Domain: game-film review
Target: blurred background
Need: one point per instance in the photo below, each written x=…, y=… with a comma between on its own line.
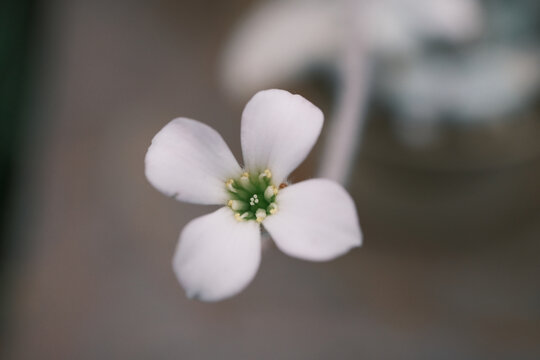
x=445, y=176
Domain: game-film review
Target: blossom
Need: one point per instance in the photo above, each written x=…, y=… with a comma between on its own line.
x=218, y=254
x=280, y=40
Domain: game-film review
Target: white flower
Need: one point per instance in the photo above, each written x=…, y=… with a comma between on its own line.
x=279, y=40
x=218, y=254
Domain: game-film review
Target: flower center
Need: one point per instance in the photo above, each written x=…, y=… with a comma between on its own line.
x=252, y=196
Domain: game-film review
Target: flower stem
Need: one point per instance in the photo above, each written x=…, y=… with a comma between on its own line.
x=345, y=132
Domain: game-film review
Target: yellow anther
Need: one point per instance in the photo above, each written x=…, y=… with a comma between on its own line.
x=245, y=175
x=230, y=203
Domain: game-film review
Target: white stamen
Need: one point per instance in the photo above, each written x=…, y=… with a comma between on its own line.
x=229, y=185
x=242, y=217
x=246, y=184
x=266, y=173
x=272, y=208
x=270, y=192
x=237, y=205
x=260, y=214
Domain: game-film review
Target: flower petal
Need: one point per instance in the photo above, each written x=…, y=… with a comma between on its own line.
x=217, y=256
x=316, y=221
x=278, y=131
x=190, y=161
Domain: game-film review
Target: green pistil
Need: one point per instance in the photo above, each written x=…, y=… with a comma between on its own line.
x=252, y=196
